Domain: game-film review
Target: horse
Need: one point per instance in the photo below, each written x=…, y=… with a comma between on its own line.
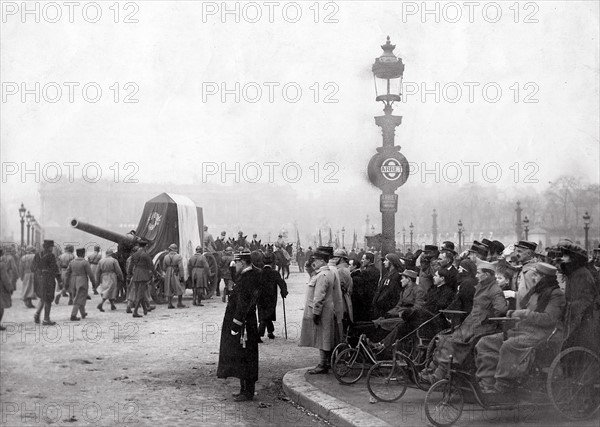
x=282, y=261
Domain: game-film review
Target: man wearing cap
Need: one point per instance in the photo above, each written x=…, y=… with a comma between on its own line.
x=412, y=296
x=220, y=242
x=525, y=254
x=64, y=260
x=238, y=353
x=427, y=266
x=340, y=263
x=488, y=302
x=582, y=314
x=141, y=270
x=388, y=291
x=323, y=310
x=267, y=301
x=446, y=262
x=27, y=276
x=78, y=273
x=108, y=272
x=198, y=272
x=225, y=270
x=94, y=260
x=503, y=358
x=173, y=268
x=46, y=269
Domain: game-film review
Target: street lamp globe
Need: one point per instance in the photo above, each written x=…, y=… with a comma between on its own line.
x=388, y=70
x=22, y=211
x=586, y=218
x=28, y=217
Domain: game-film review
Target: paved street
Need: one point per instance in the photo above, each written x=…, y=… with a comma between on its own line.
x=159, y=370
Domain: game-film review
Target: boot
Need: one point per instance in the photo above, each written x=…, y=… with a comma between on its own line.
x=100, y=306
x=242, y=389
x=57, y=299
x=171, y=306
x=28, y=303
x=180, y=302
x=112, y=306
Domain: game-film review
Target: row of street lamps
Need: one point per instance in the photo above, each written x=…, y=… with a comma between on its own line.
x=32, y=227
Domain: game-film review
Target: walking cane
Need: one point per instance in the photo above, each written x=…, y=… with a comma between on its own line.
x=284, y=319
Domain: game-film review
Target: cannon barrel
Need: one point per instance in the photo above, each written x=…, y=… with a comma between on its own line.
x=105, y=234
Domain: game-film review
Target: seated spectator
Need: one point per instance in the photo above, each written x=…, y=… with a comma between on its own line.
x=503, y=358
x=412, y=295
x=488, y=302
x=389, y=289
x=463, y=301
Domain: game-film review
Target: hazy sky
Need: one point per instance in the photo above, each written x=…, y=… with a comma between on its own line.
x=521, y=94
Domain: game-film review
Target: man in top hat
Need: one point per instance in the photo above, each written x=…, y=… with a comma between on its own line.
x=488, y=302
x=45, y=267
x=583, y=299
x=525, y=255
x=94, y=259
x=78, y=273
x=323, y=310
x=238, y=352
x=446, y=262
x=141, y=270
x=173, y=268
x=198, y=272
x=427, y=264
x=27, y=276
x=64, y=260
x=502, y=358
x=108, y=272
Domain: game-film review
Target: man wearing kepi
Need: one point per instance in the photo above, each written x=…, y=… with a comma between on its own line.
x=46, y=270
x=141, y=271
x=173, y=267
x=323, y=310
x=503, y=358
x=238, y=353
x=78, y=273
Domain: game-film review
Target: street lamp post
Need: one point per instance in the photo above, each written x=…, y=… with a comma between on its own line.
x=388, y=169
x=460, y=232
x=403, y=239
x=526, y=227
x=22, y=211
x=412, y=227
x=28, y=218
x=518, y=229
x=343, y=242
x=586, y=228
x=434, y=228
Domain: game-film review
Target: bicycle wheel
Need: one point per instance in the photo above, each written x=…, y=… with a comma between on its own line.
x=573, y=383
x=443, y=403
x=387, y=381
x=337, y=350
x=349, y=366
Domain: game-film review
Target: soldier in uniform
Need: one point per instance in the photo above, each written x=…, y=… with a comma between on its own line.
x=241, y=241
x=47, y=274
x=78, y=273
x=254, y=244
x=226, y=261
x=107, y=274
x=209, y=241
x=198, y=273
x=525, y=281
x=64, y=260
x=141, y=269
x=220, y=242
x=27, y=276
x=300, y=259
x=173, y=268
x=238, y=354
x=94, y=259
x=6, y=288
x=11, y=266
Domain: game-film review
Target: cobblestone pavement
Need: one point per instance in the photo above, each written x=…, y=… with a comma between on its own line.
x=158, y=370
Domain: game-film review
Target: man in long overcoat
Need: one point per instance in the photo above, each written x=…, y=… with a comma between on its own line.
x=267, y=302
x=27, y=276
x=198, y=273
x=46, y=270
x=173, y=268
x=323, y=311
x=65, y=288
x=141, y=270
x=78, y=273
x=6, y=288
x=108, y=273
x=238, y=353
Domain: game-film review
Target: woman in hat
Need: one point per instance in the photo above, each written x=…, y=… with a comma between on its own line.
x=27, y=276
x=78, y=273
x=389, y=289
x=238, y=353
x=107, y=274
x=504, y=358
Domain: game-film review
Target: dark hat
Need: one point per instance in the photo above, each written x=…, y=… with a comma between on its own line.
x=173, y=247
x=323, y=252
x=497, y=246
x=199, y=249
x=80, y=252
x=545, y=268
x=486, y=242
x=448, y=247
x=410, y=273
x=394, y=259
x=142, y=243
x=526, y=245
x=431, y=248
x=573, y=249
x=48, y=243
x=479, y=248
x=243, y=255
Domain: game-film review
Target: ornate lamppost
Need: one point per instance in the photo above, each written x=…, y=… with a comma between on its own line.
x=526, y=227
x=412, y=227
x=434, y=227
x=460, y=232
x=403, y=239
x=343, y=233
x=388, y=169
x=28, y=218
x=586, y=228
x=22, y=211
x=518, y=229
